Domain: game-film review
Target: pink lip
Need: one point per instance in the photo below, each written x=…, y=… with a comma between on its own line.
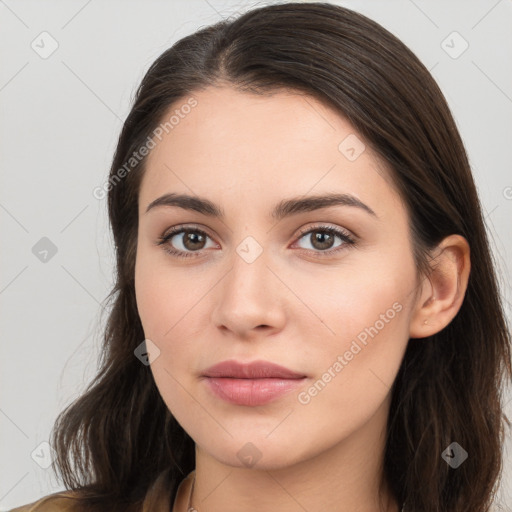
x=253, y=370
x=251, y=384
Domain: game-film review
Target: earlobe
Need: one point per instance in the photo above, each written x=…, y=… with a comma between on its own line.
x=442, y=293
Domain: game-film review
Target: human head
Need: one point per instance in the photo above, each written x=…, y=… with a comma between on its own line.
x=401, y=116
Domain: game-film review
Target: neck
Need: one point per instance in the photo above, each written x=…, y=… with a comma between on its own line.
x=345, y=477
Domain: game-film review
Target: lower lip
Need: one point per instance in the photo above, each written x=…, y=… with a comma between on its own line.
x=252, y=392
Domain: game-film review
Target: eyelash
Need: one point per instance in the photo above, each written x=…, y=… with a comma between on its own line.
x=164, y=239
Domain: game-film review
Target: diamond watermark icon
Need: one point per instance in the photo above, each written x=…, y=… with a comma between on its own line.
x=249, y=455
x=454, y=45
x=454, y=455
x=44, y=45
x=351, y=147
x=43, y=455
x=249, y=249
x=44, y=250
x=147, y=352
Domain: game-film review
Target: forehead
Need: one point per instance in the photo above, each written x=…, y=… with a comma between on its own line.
x=257, y=147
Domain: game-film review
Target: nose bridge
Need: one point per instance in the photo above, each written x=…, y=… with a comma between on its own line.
x=249, y=271
x=243, y=300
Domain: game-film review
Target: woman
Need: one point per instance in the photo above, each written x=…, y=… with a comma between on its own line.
x=306, y=314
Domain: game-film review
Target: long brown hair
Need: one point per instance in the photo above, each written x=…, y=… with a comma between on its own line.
x=118, y=441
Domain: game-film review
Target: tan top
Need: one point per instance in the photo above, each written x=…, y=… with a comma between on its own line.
x=58, y=501
x=156, y=501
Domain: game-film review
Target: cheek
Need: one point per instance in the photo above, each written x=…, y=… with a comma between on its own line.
x=163, y=313
x=360, y=323
x=169, y=306
x=158, y=293
x=362, y=342
x=355, y=372
x=151, y=293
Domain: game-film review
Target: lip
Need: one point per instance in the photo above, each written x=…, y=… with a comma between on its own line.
x=251, y=384
x=253, y=370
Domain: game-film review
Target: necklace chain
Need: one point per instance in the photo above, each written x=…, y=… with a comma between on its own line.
x=192, y=509
x=189, y=508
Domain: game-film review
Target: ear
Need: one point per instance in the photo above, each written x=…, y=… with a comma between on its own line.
x=441, y=294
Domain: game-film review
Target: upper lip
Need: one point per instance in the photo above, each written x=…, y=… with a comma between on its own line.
x=252, y=370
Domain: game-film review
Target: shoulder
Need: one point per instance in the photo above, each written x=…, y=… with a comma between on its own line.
x=58, y=502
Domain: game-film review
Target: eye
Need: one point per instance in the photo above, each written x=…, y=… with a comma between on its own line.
x=319, y=239
x=192, y=240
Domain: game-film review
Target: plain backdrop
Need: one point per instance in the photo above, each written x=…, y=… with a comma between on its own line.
x=69, y=71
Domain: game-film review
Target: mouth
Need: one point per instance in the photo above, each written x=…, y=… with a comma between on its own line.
x=251, y=384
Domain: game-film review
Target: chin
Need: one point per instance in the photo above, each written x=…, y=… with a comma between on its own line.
x=257, y=452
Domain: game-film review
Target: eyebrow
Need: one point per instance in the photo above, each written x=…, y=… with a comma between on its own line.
x=284, y=208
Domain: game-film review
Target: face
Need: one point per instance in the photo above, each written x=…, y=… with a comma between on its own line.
x=325, y=292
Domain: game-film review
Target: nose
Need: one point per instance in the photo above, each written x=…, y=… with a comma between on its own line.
x=250, y=299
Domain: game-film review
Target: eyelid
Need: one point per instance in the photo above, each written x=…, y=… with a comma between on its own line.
x=327, y=227
x=189, y=227
x=345, y=235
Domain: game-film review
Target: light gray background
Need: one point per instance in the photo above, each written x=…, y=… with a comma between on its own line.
x=60, y=120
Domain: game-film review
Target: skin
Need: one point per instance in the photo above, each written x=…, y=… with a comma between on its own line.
x=290, y=305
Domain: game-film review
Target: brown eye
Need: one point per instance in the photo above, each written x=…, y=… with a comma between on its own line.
x=183, y=242
x=193, y=240
x=322, y=239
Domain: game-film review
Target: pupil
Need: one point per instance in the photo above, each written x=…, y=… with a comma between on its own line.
x=194, y=239
x=319, y=236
